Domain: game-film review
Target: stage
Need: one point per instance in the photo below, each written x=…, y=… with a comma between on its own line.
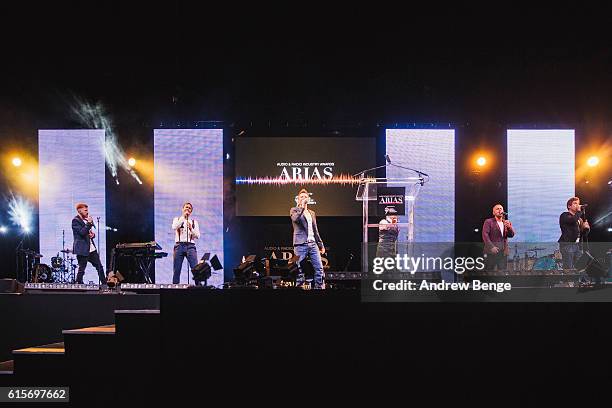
x=155, y=341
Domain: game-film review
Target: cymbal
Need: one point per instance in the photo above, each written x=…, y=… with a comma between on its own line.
x=29, y=252
x=66, y=251
x=536, y=249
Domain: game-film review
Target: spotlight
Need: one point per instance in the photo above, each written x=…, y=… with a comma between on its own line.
x=3, y=230
x=481, y=161
x=609, y=229
x=132, y=162
x=593, y=161
x=16, y=162
x=249, y=271
x=21, y=213
x=476, y=230
x=203, y=270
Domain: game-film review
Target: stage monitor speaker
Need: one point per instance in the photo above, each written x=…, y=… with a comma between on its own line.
x=11, y=286
x=591, y=266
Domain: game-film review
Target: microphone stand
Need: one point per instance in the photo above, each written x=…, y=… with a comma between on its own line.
x=585, y=240
x=99, y=250
x=362, y=172
x=18, y=257
x=389, y=164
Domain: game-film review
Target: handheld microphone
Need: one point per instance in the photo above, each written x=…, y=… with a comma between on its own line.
x=387, y=159
x=584, y=205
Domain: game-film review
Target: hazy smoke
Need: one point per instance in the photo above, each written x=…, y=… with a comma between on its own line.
x=94, y=117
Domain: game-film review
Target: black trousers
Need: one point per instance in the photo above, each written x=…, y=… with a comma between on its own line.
x=498, y=260
x=94, y=259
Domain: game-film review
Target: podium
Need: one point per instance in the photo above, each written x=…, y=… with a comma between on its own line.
x=377, y=193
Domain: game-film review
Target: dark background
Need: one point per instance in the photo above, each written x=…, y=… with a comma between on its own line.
x=306, y=72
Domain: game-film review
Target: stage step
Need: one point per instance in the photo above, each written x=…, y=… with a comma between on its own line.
x=89, y=343
x=139, y=345
x=40, y=363
x=6, y=367
x=137, y=321
x=90, y=362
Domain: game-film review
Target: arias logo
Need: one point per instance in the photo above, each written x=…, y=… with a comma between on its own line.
x=390, y=199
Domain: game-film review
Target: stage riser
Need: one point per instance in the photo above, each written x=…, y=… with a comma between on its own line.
x=42, y=368
x=138, y=345
x=90, y=366
x=212, y=339
x=39, y=318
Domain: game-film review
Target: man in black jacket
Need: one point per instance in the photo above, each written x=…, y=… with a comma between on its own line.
x=83, y=246
x=573, y=227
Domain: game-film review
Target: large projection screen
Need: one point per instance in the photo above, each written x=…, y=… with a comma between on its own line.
x=71, y=170
x=431, y=151
x=541, y=178
x=188, y=166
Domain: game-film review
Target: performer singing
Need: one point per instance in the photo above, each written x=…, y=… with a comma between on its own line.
x=495, y=234
x=388, y=231
x=186, y=231
x=83, y=245
x=573, y=228
x=306, y=240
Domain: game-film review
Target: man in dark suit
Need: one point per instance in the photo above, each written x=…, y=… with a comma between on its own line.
x=495, y=234
x=306, y=239
x=573, y=227
x=83, y=246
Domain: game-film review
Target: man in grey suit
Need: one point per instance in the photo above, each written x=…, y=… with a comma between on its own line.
x=83, y=246
x=306, y=239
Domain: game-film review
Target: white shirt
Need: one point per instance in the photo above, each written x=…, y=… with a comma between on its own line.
x=310, y=230
x=501, y=227
x=182, y=233
x=92, y=246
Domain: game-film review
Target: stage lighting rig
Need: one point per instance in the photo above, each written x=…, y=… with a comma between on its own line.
x=203, y=270
x=249, y=271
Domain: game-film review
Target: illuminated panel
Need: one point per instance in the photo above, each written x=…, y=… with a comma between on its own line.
x=540, y=181
x=188, y=166
x=71, y=170
x=431, y=151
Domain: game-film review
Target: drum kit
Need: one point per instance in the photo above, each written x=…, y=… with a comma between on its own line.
x=530, y=261
x=62, y=269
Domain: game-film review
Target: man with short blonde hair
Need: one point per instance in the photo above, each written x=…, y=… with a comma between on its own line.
x=83, y=244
